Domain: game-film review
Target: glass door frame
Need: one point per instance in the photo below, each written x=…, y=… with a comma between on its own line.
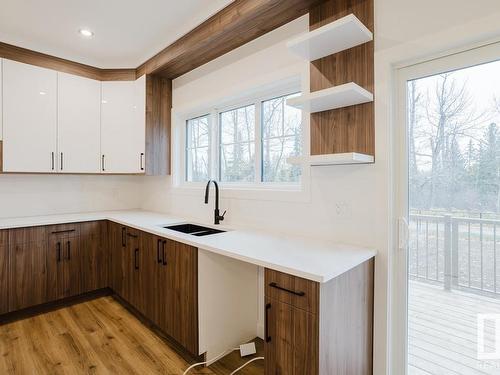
x=399, y=263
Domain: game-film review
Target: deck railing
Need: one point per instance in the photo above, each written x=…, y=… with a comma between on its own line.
x=457, y=252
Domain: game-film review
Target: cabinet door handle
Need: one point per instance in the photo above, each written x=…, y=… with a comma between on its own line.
x=102, y=163
x=158, y=250
x=53, y=166
x=142, y=161
x=164, y=245
x=63, y=231
x=62, y=161
x=58, y=252
x=136, y=259
x=124, y=239
x=68, y=244
x=266, y=322
x=132, y=235
x=300, y=293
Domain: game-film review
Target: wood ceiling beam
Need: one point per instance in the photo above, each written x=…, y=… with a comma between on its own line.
x=8, y=51
x=240, y=22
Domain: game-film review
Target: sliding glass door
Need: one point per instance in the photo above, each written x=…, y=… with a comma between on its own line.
x=448, y=305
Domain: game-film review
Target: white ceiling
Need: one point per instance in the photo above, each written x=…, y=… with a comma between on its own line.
x=127, y=32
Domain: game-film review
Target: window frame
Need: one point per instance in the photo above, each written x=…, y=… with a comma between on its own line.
x=187, y=148
x=214, y=115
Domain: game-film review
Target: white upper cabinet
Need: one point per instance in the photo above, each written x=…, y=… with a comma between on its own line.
x=123, y=126
x=78, y=124
x=29, y=118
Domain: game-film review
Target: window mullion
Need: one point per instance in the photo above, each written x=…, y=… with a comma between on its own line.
x=214, y=144
x=258, y=142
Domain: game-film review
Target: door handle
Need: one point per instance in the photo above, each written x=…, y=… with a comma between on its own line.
x=164, y=243
x=136, y=259
x=62, y=161
x=102, y=163
x=266, y=322
x=58, y=249
x=68, y=244
x=142, y=161
x=53, y=166
x=124, y=239
x=158, y=250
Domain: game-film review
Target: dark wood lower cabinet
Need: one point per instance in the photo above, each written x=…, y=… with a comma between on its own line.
x=117, y=249
x=314, y=328
x=28, y=272
x=95, y=255
x=64, y=262
x=178, y=291
x=4, y=271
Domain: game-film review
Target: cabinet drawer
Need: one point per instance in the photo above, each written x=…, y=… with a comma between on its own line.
x=4, y=238
x=66, y=230
x=293, y=290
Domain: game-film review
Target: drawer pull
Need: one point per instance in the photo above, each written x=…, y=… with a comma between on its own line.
x=63, y=231
x=164, y=244
x=274, y=285
x=58, y=252
x=158, y=251
x=132, y=235
x=68, y=244
x=266, y=322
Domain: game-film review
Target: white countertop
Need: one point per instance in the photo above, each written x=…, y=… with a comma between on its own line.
x=308, y=258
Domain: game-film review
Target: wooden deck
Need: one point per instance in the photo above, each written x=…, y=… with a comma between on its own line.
x=443, y=331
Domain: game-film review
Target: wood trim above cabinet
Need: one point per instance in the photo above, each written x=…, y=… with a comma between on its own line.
x=23, y=55
x=158, y=125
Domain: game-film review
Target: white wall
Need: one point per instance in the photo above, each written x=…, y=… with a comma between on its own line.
x=404, y=31
x=26, y=195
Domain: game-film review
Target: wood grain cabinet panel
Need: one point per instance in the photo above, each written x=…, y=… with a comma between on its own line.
x=291, y=340
x=333, y=335
x=95, y=256
x=178, y=288
x=64, y=262
x=4, y=272
x=117, y=246
x=150, y=266
x=28, y=273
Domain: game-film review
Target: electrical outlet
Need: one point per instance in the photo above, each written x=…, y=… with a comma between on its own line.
x=343, y=209
x=247, y=349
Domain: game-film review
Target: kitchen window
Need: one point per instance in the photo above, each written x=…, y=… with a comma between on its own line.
x=246, y=145
x=198, y=149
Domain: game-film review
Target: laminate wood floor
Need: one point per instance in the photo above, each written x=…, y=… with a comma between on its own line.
x=94, y=337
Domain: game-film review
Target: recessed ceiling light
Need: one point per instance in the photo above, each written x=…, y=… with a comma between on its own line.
x=86, y=33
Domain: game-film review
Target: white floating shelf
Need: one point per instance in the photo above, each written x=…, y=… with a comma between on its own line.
x=342, y=34
x=331, y=98
x=332, y=159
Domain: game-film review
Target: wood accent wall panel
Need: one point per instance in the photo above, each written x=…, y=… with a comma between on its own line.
x=23, y=55
x=350, y=129
x=158, y=125
x=348, y=298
